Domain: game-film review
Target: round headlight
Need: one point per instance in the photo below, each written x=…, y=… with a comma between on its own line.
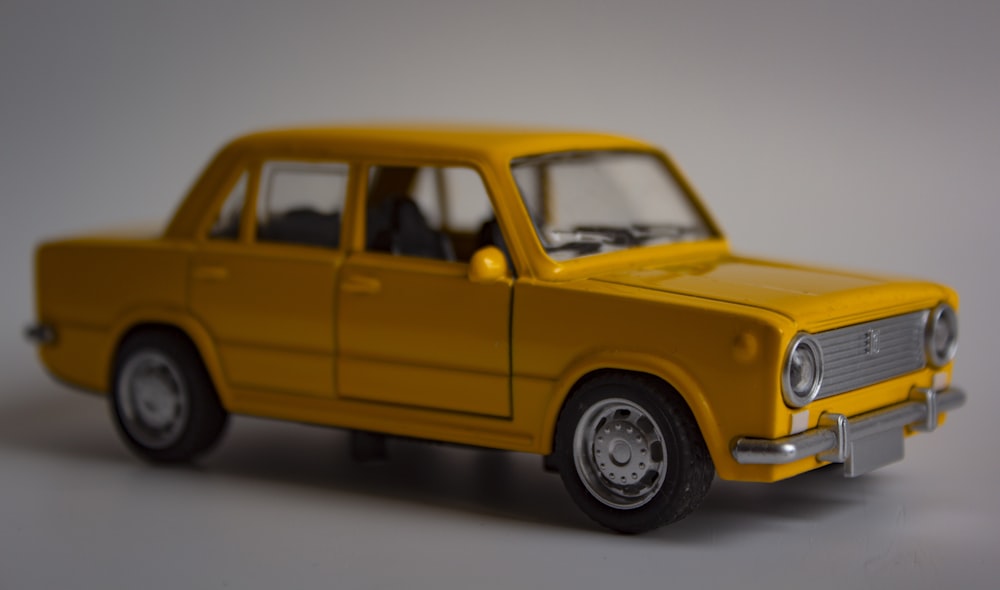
x=941, y=337
x=803, y=372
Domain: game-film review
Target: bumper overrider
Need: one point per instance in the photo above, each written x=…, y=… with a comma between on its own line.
x=863, y=442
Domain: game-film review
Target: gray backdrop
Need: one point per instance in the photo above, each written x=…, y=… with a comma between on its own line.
x=857, y=134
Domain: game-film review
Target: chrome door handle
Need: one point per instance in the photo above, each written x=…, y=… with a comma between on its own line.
x=361, y=285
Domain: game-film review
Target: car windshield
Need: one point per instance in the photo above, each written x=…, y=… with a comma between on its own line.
x=593, y=202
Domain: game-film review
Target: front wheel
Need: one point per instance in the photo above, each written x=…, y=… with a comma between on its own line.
x=163, y=401
x=630, y=453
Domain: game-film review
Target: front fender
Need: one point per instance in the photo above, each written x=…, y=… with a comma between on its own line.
x=672, y=374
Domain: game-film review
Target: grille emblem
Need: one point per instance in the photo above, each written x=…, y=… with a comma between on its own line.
x=871, y=342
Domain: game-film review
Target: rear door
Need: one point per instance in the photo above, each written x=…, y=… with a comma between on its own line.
x=263, y=280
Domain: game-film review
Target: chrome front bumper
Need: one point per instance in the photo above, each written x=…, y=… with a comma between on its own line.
x=863, y=442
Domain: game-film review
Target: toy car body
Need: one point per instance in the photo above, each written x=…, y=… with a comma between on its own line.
x=558, y=293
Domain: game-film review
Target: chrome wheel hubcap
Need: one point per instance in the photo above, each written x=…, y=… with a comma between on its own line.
x=619, y=453
x=152, y=399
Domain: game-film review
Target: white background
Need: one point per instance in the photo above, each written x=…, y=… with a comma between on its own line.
x=857, y=134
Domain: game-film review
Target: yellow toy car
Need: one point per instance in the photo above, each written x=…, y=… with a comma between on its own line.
x=558, y=293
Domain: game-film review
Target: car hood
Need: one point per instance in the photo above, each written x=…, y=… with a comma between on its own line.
x=811, y=296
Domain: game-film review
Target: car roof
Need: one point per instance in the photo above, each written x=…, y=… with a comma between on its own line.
x=492, y=144
x=440, y=140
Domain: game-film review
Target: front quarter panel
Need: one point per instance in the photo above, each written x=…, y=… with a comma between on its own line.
x=721, y=358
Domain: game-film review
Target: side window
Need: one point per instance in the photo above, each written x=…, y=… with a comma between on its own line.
x=301, y=202
x=429, y=212
x=227, y=223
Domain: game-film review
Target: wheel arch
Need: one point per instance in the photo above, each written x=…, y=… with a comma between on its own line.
x=183, y=326
x=670, y=376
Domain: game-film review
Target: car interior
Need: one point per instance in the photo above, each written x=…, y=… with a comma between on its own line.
x=397, y=223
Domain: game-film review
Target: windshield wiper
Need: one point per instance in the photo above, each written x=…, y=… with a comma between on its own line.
x=639, y=233
x=647, y=232
x=618, y=236
x=588, y=239
x=580, y=248
x=579, y=240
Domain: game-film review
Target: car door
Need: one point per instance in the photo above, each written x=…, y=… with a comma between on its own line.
x=263, y=280
x=412, y=329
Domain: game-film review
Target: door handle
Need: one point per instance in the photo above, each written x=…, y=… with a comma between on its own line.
x=211, y=273
x=361, y=285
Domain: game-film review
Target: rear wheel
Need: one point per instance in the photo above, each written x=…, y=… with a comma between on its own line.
x=630, y=452
x=163, y=401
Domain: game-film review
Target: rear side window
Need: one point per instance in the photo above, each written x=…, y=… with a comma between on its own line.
x=227, y=224
x=301, y=202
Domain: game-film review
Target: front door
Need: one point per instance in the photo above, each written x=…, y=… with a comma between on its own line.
x=412, y=329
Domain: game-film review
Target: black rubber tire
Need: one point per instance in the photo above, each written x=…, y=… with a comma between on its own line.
x=688, y=466
x=204, y=419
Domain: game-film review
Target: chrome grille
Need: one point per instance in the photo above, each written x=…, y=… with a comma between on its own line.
x=863, y=354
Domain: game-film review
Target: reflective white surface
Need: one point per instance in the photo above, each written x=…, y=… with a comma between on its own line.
x=851, y=134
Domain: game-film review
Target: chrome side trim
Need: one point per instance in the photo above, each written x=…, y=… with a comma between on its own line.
x=833, y=438
x=40, y=333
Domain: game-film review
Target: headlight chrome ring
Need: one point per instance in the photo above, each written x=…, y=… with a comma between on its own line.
x=941, y=335
x=802, y=374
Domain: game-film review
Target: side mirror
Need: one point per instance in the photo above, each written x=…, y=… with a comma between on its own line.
x=488, y=265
